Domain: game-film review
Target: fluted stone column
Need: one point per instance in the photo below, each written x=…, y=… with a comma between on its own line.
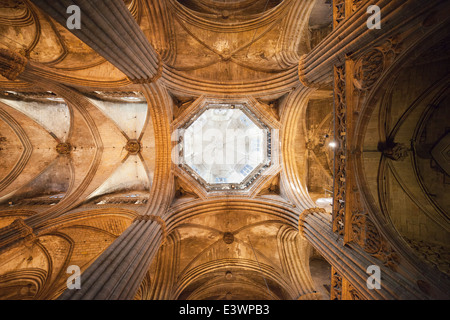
x=108, y=27
x=165, y=275
x=351, y=262
x=118, y=272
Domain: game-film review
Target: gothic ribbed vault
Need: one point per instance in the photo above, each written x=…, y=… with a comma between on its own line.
x=347, y=127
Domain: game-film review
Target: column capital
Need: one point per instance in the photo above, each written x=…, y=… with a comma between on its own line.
x=304, y=215
x=157, y=219
x=152, y=79
x=302, y=74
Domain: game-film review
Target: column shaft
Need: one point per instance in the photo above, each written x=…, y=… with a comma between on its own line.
x=118, y=272
x=351, y=262
x=108, y=27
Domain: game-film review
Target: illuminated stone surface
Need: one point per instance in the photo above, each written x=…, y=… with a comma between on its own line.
x=225, y=147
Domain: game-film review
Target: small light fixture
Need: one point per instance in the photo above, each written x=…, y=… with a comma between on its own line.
x=332, y=144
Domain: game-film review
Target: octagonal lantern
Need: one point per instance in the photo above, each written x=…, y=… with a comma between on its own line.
x=225, y=147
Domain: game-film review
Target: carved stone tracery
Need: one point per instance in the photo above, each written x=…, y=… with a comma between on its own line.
x=340, y=151
x=368, y=69
x=366, y=235
x=370, y=66
x=354, y=294
x=338, y=11
x=336, y=285
x=396, y=152
x=356, y=4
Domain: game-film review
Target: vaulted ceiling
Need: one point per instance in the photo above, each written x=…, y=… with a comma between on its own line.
x=83, y=149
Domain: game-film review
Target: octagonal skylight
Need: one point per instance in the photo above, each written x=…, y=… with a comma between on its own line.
x=225, y=147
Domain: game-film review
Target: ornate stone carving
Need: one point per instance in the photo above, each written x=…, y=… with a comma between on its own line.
x=366, y=234
x=391, y=48
x=340, y=152
x=353, y=294
x=396, y=152
x=436, y=255
x=228, y=238
x=64, y=148
x=133, y=146
x=338, y=12
x=368, y=69
x=336, y=286
x=356, y=4
x=371, y=65
x=12, y=64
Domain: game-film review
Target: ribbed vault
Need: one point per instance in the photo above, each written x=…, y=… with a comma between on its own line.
x=88, y=137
